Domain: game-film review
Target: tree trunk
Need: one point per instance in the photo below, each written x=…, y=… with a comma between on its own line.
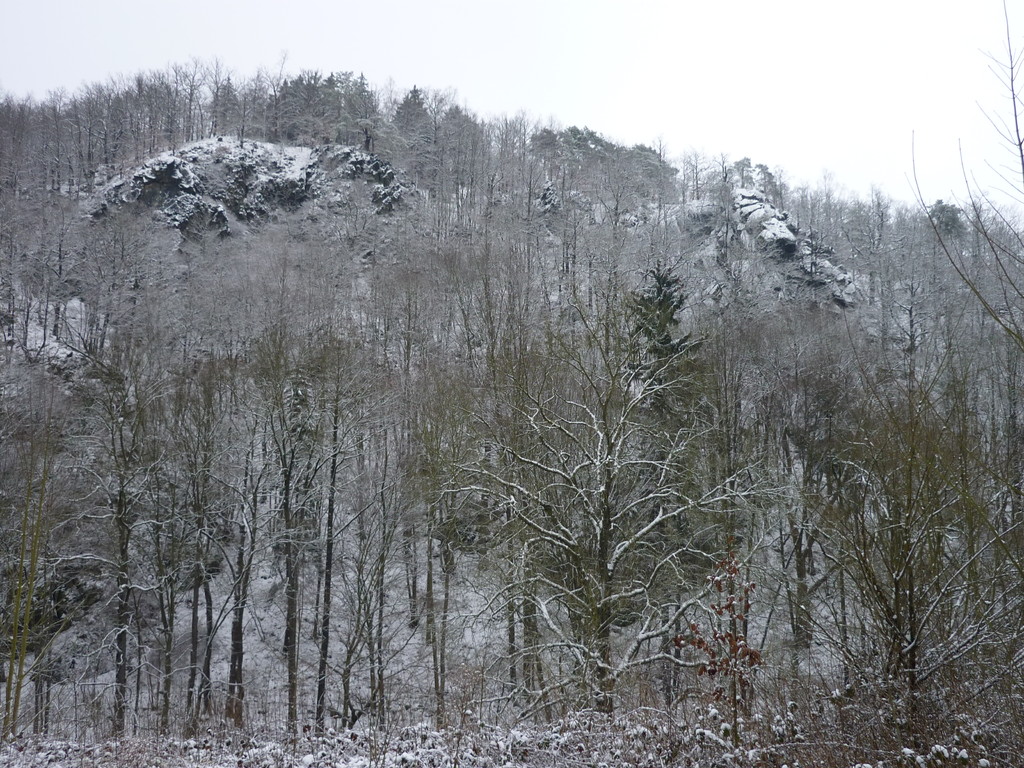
x=291, y=645
x=325, y=620
x=123, y=612
x=447, y=569
x=234, y=709
x=533, y=667
x=191, y=709
x=234, y=706
x=167, y=671
x=429, y=617
x=291, y=616
x=204, y=684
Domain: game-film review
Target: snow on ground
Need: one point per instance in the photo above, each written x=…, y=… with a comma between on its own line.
x=640, y=740
x=580, y=741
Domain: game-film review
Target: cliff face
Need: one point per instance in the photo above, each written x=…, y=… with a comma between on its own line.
x=753, y=251
x=213, y=184
x=800, y=257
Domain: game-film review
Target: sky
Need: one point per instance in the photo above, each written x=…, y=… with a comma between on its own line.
x=849, y=94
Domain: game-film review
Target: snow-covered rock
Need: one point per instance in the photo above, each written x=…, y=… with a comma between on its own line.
x=762, y=254
x=762, y=225
x=202, y=186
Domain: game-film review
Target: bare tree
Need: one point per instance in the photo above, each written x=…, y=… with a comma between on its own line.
x=602, y=499
x=128, y=385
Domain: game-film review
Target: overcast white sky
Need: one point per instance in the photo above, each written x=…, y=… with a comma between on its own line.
x=810, y=86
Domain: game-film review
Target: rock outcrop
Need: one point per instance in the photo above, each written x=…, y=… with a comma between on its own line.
x=205, y=185
x=758, y=247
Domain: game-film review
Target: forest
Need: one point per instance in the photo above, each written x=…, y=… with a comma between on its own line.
x=342, y=422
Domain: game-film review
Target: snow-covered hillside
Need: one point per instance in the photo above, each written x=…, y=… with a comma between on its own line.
x=506, y=446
